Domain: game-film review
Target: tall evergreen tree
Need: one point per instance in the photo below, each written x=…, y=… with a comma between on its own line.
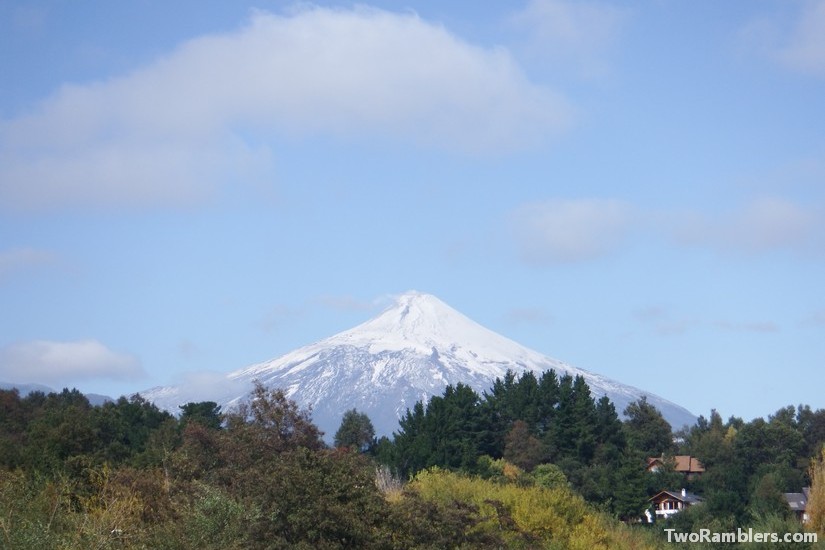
x=560, y=438
x=647, y=430
x=584, y=413
x=548, y=400
x=610, y=437
x=356, y=431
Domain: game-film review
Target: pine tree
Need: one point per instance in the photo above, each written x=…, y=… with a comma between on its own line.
x=560, y=436
x=205, y=413
x=548, y=400
x=610, y=437
x=584, y=411
x=356, y=431
x=647, y=430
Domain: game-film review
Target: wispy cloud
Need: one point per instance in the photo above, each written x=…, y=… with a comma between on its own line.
x=55, y=363
x=748, y=326
x=555, y=232
x=804, y=49
x=173, y=130
x=761, y=225
x=347, y=303
x=816, y=318
x=569, y=231
x=795, y=41
x=578, y=35
x=204, y=385
x=280, y=315
x=22, y=259
x=662, y=322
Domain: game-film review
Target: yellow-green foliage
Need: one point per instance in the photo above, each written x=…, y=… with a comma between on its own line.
x=816, y=497
x=62, y=515
x=533, y=517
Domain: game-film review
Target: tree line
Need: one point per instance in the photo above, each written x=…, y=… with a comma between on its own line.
x=529, y=421
x=553, y=421
x=127, y=475
x=534, y=462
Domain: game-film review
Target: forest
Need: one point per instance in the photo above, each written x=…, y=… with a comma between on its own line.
x=534, y=462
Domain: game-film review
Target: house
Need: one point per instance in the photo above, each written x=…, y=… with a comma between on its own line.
x=798, y=503
x=688, y=465
x=668, y=503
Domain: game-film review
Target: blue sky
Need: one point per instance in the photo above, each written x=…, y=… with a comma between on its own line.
x=637, y=189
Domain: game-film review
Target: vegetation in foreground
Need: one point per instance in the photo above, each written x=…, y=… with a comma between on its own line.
x=516, y=468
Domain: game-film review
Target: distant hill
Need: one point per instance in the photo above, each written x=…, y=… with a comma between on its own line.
x=25, y=389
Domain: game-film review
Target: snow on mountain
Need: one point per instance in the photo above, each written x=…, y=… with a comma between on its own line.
x=410, y=352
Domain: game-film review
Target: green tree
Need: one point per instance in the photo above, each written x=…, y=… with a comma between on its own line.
x=356, y=431
x=124, y=427
x=61, y=428
x=647, y=430
x=549, y=476
x=628, y=495
x=610, y=437
x=584, y=411
x=205, y=413
x=766, y=498
x=450, y=432
x=13, y=420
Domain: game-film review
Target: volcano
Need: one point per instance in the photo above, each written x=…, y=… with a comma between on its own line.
x=409, y=352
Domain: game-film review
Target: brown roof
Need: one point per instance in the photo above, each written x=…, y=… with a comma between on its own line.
x=688, y=464
x=688, y=497
x=685, y=464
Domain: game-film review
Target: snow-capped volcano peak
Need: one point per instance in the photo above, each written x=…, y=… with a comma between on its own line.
x=422, y=322
x=409, y=352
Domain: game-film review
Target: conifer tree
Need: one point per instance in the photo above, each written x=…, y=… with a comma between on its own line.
x=356, y=431
x=647, y=430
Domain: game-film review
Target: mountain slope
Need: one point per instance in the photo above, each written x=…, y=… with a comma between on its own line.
x=409, y=352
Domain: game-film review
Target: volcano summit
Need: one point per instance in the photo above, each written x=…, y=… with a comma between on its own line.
x=410, y=352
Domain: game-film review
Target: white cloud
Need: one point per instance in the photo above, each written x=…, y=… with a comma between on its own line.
x=761, y=225
x=794, y=39
x=805, y=46
x=572, y=33
x=663, y=323
x=816, y=318
x=567, y=231
x=749, y=326
x=56, y=363
x=20, y=259
x=210, y=386
x=174, y=129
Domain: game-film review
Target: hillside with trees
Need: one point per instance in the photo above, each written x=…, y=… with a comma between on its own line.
x=535, y=462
